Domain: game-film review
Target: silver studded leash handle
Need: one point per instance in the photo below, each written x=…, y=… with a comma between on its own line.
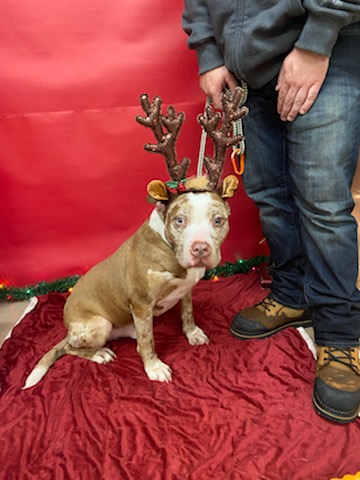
x=238, y=126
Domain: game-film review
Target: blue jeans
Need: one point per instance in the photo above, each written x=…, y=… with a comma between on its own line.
x=299, y=175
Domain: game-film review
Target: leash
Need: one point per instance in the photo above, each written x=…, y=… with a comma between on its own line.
x=238, y=153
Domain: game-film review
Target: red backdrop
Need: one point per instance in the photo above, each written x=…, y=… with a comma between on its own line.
x=73, y=171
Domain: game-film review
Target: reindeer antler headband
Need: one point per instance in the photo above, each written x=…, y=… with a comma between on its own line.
x=218, y=126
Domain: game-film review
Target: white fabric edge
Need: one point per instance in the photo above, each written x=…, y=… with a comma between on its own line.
x=31, y=305
x=308, y=340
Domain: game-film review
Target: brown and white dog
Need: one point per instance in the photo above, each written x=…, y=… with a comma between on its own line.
x=150, y=272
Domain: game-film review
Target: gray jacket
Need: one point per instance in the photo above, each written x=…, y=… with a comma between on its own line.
x=252, y=37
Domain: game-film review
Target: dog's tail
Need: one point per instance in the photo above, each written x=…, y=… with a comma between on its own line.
x=45, y=363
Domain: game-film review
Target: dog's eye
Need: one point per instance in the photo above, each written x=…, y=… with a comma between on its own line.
x=218, y=221
x=180, y=221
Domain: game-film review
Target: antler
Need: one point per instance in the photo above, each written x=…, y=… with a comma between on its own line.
x=221, y=137
x=166, y=140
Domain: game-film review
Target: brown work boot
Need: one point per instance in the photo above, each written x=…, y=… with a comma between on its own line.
x=266, y=318
x=337, y=384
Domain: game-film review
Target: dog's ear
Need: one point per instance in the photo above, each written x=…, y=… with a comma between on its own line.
x=228, y=186
x=157, y=191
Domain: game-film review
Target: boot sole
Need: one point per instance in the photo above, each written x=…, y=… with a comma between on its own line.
x=333, y=415
x=269, y=333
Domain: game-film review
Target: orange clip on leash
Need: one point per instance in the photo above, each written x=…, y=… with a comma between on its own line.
x=238, y=168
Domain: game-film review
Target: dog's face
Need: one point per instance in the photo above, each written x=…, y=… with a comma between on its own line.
x=196, y=224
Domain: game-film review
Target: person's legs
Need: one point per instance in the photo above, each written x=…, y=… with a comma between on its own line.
x=310, y=201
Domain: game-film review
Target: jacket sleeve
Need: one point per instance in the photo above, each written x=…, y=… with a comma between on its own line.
x=197, y=24
x=325, y=19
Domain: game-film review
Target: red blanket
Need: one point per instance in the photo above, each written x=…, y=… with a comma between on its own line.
x=235, y=410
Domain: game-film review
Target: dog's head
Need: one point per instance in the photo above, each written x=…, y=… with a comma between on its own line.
x=193, y=211
x=195, y=221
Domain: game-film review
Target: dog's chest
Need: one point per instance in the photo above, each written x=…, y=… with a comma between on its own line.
x=175, y=288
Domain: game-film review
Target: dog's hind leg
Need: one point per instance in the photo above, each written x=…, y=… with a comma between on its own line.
x=87, y=339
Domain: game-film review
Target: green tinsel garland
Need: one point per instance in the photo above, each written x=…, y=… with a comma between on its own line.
x=240, y=266
x=17, y=294
x=41, y=288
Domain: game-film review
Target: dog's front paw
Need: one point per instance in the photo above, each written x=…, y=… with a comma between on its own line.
x=197, y=337
x=103, y=355
x=158, y=371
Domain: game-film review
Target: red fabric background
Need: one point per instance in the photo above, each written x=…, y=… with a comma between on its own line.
x=73, y=172
x=234, y=411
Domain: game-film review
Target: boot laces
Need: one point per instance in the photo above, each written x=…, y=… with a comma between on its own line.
x=346, y=358
x=266, y=303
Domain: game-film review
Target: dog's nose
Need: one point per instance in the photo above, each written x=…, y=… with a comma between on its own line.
x=200, y=249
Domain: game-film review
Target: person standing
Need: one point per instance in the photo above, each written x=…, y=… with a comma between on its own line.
x=301, y=62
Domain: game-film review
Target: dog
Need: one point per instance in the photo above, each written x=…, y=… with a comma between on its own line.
x=156, y=267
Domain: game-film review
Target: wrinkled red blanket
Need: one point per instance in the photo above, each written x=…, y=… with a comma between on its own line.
x=235, y=410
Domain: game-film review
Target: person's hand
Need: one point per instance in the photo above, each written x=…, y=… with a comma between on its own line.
x=213, y=82
x=300, y=79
